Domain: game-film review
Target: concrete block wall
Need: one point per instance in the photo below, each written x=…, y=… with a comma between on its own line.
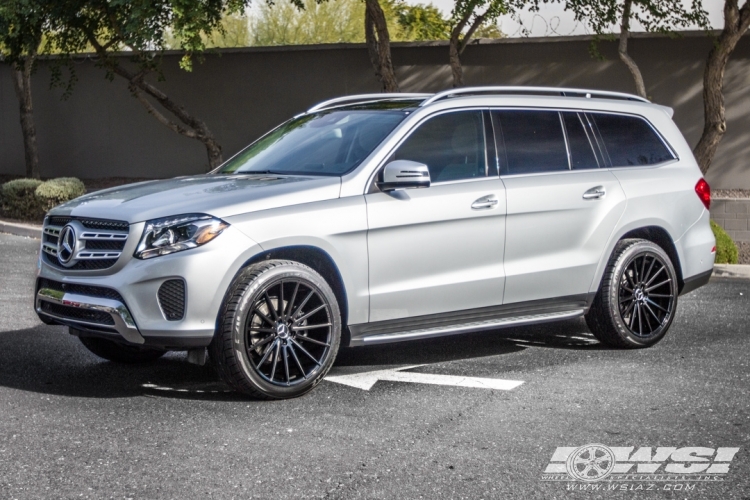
x=734, y=216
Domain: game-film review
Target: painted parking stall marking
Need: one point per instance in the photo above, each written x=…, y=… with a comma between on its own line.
x=367, y=380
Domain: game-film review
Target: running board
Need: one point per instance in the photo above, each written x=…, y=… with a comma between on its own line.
x=439, y=331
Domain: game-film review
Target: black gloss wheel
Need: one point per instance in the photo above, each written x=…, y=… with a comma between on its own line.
x=647, y=294
x=288, y=332
x=279, y=330
x=637, y=298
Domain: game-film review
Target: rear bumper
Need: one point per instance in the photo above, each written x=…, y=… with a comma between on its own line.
x=694, y=282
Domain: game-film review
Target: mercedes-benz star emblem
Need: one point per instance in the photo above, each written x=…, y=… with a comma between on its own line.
x=66, y=244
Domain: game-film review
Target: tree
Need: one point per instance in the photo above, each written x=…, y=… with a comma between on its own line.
x=22, y=24
x=143, y=28
x=421, y=22
x=378, y=42
x=284, y=23
x=655, y=16
x=467, y=17
x=736, y=23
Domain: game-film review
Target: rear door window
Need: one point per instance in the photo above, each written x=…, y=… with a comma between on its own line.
x=630, y=140
x=530, y=141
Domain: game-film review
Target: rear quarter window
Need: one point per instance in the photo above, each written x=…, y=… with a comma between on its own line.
x=630, y=140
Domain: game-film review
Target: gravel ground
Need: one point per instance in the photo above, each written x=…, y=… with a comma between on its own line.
x=730, y=193
x=744, y=248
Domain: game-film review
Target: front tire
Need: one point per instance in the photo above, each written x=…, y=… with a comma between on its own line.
x=637, y=299
x=120, y=353
x=279, y=331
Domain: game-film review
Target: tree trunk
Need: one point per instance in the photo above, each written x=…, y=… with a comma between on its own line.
x=194, y=128
x=455, y=62
x=457, y=45
x=22, y=83
x=640, y=87
x=379, y=45
x=736, y=22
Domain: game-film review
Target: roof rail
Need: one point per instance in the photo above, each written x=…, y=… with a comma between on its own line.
x=533, y=91
x=365, y=98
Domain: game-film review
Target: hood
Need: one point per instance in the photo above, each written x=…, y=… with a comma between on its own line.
x=217, y=195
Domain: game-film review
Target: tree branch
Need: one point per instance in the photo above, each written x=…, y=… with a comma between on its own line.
x=159, y=116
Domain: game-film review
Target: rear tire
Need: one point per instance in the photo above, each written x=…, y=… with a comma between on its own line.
x=279, y=331
x=637, y=298
x=120, y=353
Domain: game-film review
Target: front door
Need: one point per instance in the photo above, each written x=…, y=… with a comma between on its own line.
x=439, y=249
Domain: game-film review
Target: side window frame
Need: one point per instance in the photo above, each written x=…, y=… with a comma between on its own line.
x=488, y=136
x=588, y=130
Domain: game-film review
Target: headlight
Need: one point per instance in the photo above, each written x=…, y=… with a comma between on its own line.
x=178, y=233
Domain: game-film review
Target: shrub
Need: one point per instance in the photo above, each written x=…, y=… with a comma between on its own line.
x=30, y=199
x=19, y=200
x=57, y=191
x=726, y=250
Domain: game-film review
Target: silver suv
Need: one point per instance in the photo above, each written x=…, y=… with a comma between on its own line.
x=390, y=217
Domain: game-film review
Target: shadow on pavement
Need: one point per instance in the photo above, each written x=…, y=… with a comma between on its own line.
x=46, y=359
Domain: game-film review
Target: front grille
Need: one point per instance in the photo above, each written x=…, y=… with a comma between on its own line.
x=105, y=245
x=107, y=225
x=88, y=290
x=100, y=246
x=77, y=314
x=82, y=265
x=172, y=299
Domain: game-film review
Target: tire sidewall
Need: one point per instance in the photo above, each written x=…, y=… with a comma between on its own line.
x=623, y=260
x=238, y=337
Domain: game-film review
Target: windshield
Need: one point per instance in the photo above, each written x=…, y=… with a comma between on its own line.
x=326, y=143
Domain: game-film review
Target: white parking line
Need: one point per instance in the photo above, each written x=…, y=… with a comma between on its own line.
x=366, y=380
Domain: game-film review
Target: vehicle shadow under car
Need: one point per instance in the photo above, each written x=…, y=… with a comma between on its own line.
x=46, y=359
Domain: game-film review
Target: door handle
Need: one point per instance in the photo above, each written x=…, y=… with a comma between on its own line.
x=595, y=193
x=488, y=201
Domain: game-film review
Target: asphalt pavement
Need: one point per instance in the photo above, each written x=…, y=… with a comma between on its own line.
x=75, y=426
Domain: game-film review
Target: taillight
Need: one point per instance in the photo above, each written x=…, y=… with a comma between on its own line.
x=703, y=190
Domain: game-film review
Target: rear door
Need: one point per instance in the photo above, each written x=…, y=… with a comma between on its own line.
x=440, y=249
x=561, y=206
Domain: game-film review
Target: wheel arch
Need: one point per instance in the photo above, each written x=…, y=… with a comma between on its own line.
x=659, y=236
x=320, y=261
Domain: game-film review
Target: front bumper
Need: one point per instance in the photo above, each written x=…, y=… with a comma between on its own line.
x=132, y=313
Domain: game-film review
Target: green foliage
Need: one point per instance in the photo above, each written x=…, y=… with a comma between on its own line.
x=19, y=201
x=22, y=25
x=30, y=199
x=56, y=191
x=655, y=16
x=143, y=27
x=420, y=22
x=726, y=250
x=284, y=23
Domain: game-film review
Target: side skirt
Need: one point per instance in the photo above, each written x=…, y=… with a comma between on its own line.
x=485, y=318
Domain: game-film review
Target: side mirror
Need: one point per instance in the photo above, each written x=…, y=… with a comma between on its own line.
x=404, y=174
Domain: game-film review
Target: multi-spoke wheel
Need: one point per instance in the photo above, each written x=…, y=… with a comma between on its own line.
x=636, y=302
x=280, y=330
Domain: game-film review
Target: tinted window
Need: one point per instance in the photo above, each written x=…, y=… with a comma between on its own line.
x=325, y=143
x=581, y=152
x=533, y=141
x=451, y=145
x=630, y=140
